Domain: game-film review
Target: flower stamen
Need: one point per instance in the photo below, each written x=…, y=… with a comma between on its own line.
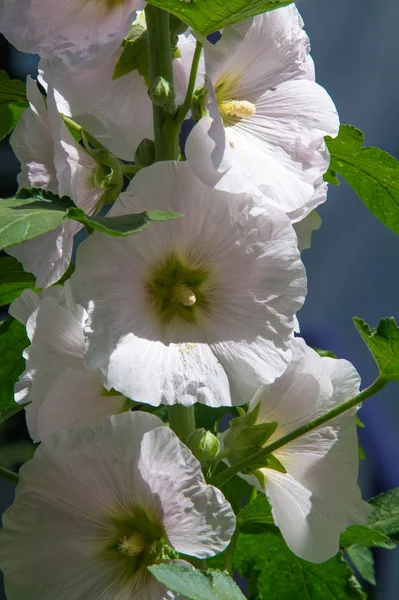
x=240, y=109
x=183, y=294
x=133, y=545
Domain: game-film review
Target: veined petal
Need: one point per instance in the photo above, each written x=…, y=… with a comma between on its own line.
x=75, y=32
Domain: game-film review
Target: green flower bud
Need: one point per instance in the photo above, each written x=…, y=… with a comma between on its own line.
x=145, y=153
x=162, y=93
x=204, y=445
x=198, y=108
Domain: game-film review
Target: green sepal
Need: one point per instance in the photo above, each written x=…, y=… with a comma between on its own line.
x=145, y=153
x=198, y=104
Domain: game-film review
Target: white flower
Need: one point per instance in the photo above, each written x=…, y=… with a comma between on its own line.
x=68, y=31
x=266, y=112
x=51, y=159
x=117, y=112
x=56, y=383
x=190, y=309
x=318, y=497
x=95, y=506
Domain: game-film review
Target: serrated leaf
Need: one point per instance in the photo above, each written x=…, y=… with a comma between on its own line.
x=278, y=574
x=207, y=16
x=197, y=585
x=256, y=517
x=13, y=280
x=371, y=172
x=13, y=102
x=13, y=341
x=385, y=515
x=365, y=536
x=122, y=225
x=383, y=343
x=30, y=213
x=362, y=559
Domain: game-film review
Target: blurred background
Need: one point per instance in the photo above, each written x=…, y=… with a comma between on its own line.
x=353, y=265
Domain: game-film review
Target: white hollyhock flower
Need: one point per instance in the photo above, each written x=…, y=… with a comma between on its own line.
x=68, y=31
x=56, y=383
x=117, y=112
x=191, y=309
x=51, y=159
x=272, y=116
x=318, y=497
x=95, y=506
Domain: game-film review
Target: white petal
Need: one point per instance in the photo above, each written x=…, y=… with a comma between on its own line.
x=23, y=306
x=32, y=142
x=197, y=518
x=256, y=284
x=75, y=398
x=74, y=32
x=310, y=528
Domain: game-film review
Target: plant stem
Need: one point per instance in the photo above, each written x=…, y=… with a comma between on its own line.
x=9, y=475
x=166, y=134
x=185, y=107
x=182, y=421
x=230, y=551
x=225, y=475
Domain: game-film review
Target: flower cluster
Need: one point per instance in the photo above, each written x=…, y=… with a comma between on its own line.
x=197, y=309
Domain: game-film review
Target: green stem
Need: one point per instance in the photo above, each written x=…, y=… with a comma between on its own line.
x=9, y=475
x=166, y=134
x=230, y=551
x=185, y=107
x=182, y=421
x=225, y=475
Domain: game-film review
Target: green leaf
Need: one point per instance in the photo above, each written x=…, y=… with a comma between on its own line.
x=256, y=517
x=208, y=417
x=207, y=16
x=13, y=102
x=122, y=225
x=7, y=413
x=385, y=515
x=371, y=172
x=135, y=54
x=30, y=213
x=362, y=559
x=365, y=536
x=13, y=341
x=325, y=353
x=13, y=280
x=197, y=585
x=383, y=343
x=278, y=574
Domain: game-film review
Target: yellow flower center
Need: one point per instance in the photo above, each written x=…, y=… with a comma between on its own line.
x=183, y=294
x=240, y=109
x=133, y=545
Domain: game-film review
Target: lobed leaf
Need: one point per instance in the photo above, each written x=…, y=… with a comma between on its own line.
x=371, y=172
x=13, y=102
x=207, y=16
x=383, y=343
x=13, y=280
x=197, y=585
x=362, y=559
x=256, y=517
x=122, y=225
x=365, y=536
x=385, y=515
x=30, y=213
x=278, y=574
x=13, y=341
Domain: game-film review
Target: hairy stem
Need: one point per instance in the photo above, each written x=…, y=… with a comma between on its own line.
x=166, y=134
x=9, y=475
x=225, y=475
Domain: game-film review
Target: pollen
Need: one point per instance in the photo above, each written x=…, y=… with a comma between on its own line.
x=240, y=109
x=133, y=545
x=183, y=294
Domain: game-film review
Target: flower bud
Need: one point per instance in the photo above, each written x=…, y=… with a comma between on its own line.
x=161, y=93
x=198, y=104
x=204, y=445
x=145, y=153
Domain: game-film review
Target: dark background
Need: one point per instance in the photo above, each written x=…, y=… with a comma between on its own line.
x=353, y=263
